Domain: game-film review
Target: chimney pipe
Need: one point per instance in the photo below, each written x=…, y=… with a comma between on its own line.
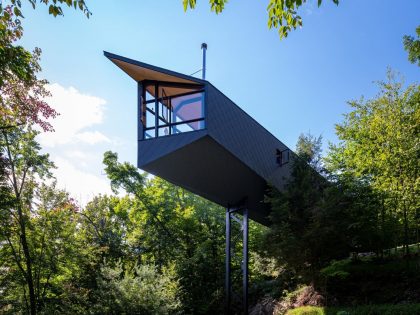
x=204, y=48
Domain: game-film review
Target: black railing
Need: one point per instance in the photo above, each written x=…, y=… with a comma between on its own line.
x=171, y=114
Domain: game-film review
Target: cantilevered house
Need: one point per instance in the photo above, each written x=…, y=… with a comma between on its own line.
x=194, y=136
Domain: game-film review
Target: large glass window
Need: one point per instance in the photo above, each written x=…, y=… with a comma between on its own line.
x=171, y=109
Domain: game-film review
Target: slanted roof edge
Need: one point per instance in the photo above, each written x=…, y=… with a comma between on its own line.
x=242, y=110
x=112, y=56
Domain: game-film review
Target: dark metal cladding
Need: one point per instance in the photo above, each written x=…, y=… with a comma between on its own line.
x=245, y=138
x=207, y=169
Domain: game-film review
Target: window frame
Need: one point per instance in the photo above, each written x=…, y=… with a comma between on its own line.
x=159, y=104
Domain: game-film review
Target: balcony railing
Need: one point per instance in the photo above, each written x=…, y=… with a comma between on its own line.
x=172, y=113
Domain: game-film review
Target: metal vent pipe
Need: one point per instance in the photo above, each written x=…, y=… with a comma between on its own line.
x=204, y=48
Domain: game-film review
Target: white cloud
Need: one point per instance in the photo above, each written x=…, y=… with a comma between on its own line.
x=76, y=154
x=77, y=112
x=81, y=185
x=92, y=137
x=75, y=146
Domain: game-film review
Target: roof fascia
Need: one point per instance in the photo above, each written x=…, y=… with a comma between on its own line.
x=112, y=56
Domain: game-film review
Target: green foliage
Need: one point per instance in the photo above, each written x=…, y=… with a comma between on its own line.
x=22, y=101
x=312, y=219
x=122, y=175
x=167, y=226
x=399, y=309
x=308, y=148
x=54, y=6
x=22, y=94
x=307, y=310
x=55, y=251
x=282, y=14
x=40, y=251
x=379, y=147
x=366, y=201
x=412, y=46
x=139, y=290
x=336, y=269
x=15, y=61
x=371, y=279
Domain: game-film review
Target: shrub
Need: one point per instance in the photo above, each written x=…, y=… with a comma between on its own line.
x=307, y=310
x=398, y=309
x=141, y=290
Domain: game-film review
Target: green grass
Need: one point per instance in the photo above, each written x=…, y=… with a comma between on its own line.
x=399, y=309
x=307, y=310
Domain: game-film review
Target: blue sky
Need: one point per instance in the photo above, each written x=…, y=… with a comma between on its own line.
x=290, y=86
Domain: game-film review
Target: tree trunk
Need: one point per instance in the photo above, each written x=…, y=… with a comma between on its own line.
x=383, y=227
x=417, y=229
x=28, y=260
x=22, y=225
x=406, y=252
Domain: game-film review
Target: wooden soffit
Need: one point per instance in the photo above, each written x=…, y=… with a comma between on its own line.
x=140, y=71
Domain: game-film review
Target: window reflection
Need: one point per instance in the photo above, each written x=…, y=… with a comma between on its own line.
x=178, y=110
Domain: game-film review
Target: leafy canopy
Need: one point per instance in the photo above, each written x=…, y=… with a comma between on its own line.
x=412, y=46
x=282, y=14
x=22, y=94
x=379, y=147
x=54, y=6
x=14, y=59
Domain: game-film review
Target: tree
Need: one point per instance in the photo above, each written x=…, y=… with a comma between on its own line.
x=282, y=14
x=22, y=101
x=106, y=223
x=15, y=60
x=138, y=290
x=54, y=6
x=379, y=147
x=42, y=253
x=23, y=168
x=38, y=239
x=319, y=216
x=170, y=227
x=23, y=164
x=412, y=46
x=56, y=254
x=296, y=212
x=21, y=92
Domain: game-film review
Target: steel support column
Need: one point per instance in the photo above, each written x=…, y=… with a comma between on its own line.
x=228, y=258
x=156, y=111
x=229, y=294
x=245, y=260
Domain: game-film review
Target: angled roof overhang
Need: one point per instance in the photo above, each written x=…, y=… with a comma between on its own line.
x=177, y=82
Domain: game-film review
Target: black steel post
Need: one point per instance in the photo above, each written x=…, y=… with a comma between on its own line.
x=245, y=260
x=170, y=114
x=139, y=112
x=227, y=275
x=156, y=110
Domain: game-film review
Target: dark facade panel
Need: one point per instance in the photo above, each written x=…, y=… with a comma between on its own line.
x=235, y=130
x=153, y=149
x=207, y=169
